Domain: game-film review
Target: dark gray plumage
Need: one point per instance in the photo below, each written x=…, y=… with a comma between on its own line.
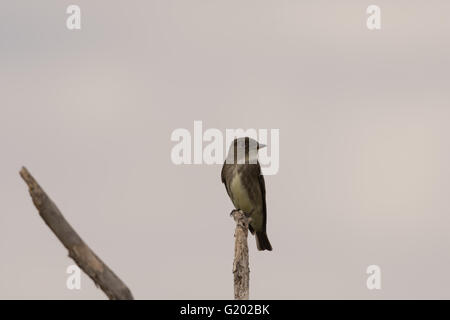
x=241, y=174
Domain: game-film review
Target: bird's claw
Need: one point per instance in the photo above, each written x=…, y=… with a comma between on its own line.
x=248, y=215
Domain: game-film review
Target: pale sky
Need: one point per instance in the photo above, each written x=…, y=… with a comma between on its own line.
x=363, y=116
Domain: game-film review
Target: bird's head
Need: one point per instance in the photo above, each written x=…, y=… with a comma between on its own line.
x=245, y=148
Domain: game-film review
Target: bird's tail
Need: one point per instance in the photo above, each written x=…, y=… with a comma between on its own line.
x=262, y=242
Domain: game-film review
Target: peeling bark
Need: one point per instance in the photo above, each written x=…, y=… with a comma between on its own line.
x=241, y=268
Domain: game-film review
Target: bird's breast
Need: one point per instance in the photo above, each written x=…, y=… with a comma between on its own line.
x=241, y=199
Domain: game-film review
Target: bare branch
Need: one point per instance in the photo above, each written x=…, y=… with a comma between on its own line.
x=241, y=268
x=83, y=256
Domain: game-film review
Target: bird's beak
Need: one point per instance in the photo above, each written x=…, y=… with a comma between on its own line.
x=262, y=146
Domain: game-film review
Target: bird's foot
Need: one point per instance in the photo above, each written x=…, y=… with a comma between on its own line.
x=233, y=211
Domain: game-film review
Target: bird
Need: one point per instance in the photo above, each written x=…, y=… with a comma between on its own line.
x=244, y=183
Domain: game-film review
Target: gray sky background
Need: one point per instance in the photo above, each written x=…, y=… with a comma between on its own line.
x=364, y=154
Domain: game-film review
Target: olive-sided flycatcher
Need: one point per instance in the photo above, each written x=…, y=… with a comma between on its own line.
x=241, y=174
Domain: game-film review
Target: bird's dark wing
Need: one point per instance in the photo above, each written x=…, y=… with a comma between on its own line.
x=262, y=186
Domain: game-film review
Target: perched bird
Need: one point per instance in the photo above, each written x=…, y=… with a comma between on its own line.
x=241, y=174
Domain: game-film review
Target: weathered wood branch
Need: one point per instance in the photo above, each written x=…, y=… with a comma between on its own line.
x=241, y=268
x=83, y=256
